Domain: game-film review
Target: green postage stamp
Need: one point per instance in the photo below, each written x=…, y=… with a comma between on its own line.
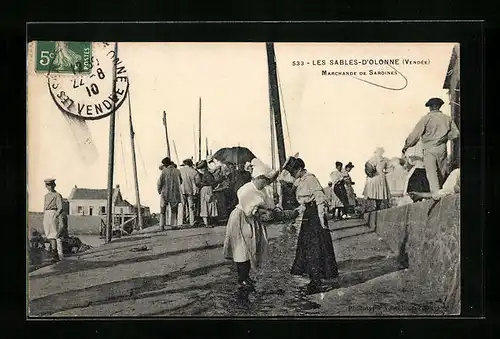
x=63, y=57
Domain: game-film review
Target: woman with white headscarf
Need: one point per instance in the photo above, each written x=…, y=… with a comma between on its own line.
x=246, y=237
x=258, y=168
x=376, y=187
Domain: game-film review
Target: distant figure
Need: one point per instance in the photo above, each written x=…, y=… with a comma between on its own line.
x=376, y=187
x=169, y=188
x=340, y=203
x=208, y=204
x=286, y=193
x=232, y=178
x=52, y=219
x=242, y=177
x=189, y=189
x=396, y=179
x=329, y=192
x=223, y=175
x=348, y=183
x=435, y=129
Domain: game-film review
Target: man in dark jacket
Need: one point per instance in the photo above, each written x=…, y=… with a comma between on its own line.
x=169, y=188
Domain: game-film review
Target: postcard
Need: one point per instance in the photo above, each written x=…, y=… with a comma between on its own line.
x=253, y=179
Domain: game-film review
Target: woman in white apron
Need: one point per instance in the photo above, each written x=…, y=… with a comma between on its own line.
x=246, y=237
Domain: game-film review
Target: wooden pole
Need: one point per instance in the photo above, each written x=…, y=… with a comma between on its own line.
x=273, y=138
x=166, y=132
x=199, y=131
x=134, y=164
x=111, y=153
x=273, y=150
x=176, y=154
x=275, y=102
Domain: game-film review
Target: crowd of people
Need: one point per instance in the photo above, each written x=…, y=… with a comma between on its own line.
x=201, y=192
x=401, y=177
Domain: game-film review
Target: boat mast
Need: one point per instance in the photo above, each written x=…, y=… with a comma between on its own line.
x=111, y=154
x=275, y=102
x=273, y=137
x=166, y=132
x=134, y=164
x=199, y=131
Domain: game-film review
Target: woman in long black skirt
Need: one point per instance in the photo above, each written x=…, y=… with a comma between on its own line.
x=315, y=254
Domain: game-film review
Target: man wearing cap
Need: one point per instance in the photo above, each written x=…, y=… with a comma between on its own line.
x=189, y=188
x=53, y=209
x=169, y=188
x=434, y=129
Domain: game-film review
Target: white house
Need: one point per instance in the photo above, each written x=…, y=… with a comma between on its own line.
x=90, y=201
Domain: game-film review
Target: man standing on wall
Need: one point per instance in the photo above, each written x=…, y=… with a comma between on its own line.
x=435, y=129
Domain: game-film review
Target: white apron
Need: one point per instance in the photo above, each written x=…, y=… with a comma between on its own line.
x=50, y=224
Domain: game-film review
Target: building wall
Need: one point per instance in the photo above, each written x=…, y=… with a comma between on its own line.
x=97, y=206
x=85, y=205
x=124, y=209
x=426, y=236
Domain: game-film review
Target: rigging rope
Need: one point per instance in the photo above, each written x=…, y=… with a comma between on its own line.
x=140, y=156
x=123, y=161
x=135, y=135
x=284, y=110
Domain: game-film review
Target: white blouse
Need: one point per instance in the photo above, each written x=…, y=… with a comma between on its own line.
x=250, y=198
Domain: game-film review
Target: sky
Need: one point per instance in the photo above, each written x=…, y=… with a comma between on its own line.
x=328, y=117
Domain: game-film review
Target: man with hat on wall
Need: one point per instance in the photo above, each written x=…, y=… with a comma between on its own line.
x=52, y=222
x=435, y=129
x=169, y=188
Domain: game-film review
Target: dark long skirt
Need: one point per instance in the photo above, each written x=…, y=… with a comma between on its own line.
x=341, y=193
x=315, y=255
x=418, y=182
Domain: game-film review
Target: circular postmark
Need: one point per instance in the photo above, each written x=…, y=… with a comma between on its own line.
x=89, y=95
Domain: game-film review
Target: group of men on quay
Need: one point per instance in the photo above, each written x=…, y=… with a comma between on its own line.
x=242, y=196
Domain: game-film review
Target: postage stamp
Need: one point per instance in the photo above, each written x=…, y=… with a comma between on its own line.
x=244, y=179
x=63, y=56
